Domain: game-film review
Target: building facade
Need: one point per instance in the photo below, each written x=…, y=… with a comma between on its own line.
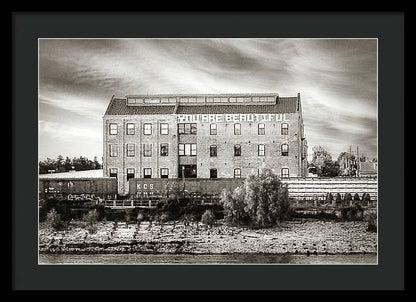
x=203, y=136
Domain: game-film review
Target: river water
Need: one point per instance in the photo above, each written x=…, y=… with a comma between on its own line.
x=206, y=259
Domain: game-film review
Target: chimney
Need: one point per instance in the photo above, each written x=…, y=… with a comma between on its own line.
x=298, y=108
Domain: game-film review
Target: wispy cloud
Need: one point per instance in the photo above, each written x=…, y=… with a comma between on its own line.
x=336, y=79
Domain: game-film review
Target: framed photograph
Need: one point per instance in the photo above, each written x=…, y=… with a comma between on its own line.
x=195, y=154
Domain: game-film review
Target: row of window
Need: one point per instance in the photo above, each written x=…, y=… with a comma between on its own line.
x=199, y=99
x=261, y=129
x=131, y=150
x=261, y=150
x=164, y=173
x=237, y=173
x=189, y=128
x=188, y=150
x=131, y=129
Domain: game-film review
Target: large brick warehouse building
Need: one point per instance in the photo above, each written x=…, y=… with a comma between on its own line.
x=203, y=136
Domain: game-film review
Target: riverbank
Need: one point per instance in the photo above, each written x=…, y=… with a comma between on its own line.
x=305, y=236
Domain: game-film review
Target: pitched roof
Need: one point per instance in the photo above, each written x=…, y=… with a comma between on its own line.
x=119, y=106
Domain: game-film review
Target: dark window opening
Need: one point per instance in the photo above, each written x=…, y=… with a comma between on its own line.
x=213, y=151
x=237, y=150
x=113, y=172
x=187, y=171
x=212, y=173
x=164, y=149
x=130, y=173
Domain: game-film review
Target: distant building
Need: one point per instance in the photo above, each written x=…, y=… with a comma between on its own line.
x=368, y=169
x=203, y=136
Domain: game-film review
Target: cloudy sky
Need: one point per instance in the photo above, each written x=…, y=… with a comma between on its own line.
x=337, y=80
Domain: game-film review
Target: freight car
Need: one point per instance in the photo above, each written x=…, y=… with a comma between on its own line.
x=204, y=190
x=78, y=188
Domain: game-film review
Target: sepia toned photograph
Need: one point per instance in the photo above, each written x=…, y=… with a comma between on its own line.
x=208, y=151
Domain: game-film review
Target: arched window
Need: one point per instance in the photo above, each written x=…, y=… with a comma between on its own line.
x=285, y=129
x=285, y=150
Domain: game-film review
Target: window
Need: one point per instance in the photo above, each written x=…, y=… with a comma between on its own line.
x=164, y=173
x=147, y=129
x=261, y=150
x=262, y=129
x=130, y=173
x=193, y=149
x=130, y=129
x=237, y=150
x=193, y=128
x=113, y=172
x=147, y=173
x=181, y=149
x=181, y=128
x=164, y=149
x=237, y=129
x=147, y=150
x=212, y=173
x=285, y=172
x=164, y=129
x=285, y=150
x=187, y=149
x=113, y=150
x=237, y=173
x=113, y=129
x=131, y=150
x=186, y=128
x=285, y=129
x=213, y=129
x=213, y=151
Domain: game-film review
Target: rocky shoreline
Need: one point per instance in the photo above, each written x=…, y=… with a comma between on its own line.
x=304, y=236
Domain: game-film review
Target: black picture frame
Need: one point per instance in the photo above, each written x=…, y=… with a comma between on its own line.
x=28, y=27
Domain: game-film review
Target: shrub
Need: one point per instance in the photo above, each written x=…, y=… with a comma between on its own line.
x=90, y=219
x=54, y=221
x=338, y=199
x=261, y=201
x=208, y=218
x=353, y=213
x=366, y=197
x=329, y=198
x=356, y=197
x=371, y=220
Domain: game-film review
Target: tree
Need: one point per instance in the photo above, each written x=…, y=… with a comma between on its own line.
x=319, y=158
x=347, y=163
x=54, y=221
x=330, y=168
x=261, y=201
x=208, y=218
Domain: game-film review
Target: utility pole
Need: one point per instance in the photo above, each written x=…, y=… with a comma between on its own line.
x=358, y=163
